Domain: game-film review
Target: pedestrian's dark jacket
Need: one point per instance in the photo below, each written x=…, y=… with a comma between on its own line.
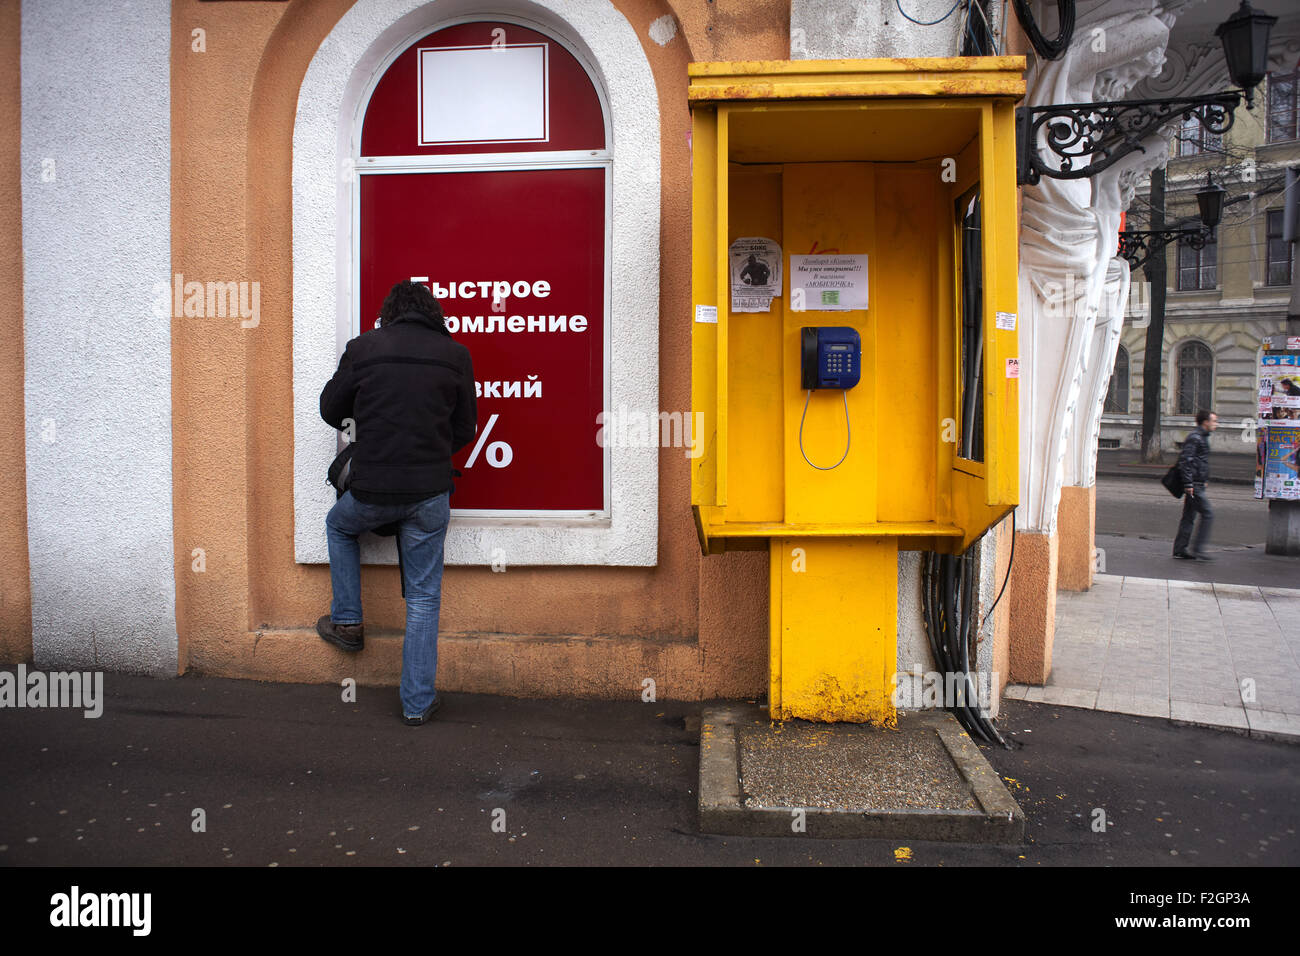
x=409, y=388
x=1194, y=462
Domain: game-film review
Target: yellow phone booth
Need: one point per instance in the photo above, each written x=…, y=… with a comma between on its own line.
x=854, y=342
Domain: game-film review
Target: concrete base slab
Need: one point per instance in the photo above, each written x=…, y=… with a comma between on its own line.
x=924, y=780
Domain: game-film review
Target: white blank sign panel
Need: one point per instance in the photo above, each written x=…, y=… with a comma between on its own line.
x=483, y=94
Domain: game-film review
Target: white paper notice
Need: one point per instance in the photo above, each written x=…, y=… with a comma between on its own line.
x=706, y=313
x=755, y=274
x=828, y=283
x=1006, y=321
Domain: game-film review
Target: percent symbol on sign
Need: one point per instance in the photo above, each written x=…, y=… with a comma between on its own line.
x=499, y=454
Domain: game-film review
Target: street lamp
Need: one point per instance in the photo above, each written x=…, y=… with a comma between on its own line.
x=1210, y=201
x=1137, y=245
x=1090, y=137
x=1245, y=47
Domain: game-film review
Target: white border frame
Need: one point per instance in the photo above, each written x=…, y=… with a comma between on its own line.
x=333, y=95
x=518, y=160
x=546, y=96
x=380, y=166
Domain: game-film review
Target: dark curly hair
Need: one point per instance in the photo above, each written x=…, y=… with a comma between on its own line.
x=406, y=297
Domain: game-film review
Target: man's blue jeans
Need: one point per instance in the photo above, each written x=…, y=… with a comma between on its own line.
x=420, y=535
x=1193, y=505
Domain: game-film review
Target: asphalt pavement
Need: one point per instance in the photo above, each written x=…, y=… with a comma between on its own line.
x=291, y=775
x=1137, y=520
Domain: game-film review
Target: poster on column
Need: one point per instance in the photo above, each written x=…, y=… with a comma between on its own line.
x=517, y=260
x=1282, y=467
x=1279, y=387
x=1261, y=458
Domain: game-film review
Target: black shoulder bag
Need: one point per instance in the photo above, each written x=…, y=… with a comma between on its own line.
x=340, y=476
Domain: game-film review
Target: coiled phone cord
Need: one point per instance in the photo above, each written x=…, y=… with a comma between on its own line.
x=848, y=431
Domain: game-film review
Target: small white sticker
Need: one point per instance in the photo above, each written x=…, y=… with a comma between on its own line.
x=1006, y=321
x=706, y=313
x=829, y=283
x=1013, y=368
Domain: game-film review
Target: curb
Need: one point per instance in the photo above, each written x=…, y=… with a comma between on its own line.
x=1019, y=692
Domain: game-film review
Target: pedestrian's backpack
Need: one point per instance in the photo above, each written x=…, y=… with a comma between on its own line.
x=1173, y=481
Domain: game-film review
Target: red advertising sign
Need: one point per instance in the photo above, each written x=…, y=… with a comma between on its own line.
x=491, y=71
x=516, y=253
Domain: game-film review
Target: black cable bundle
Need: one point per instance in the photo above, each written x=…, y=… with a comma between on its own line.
x=948, y=595
x=1049, y=49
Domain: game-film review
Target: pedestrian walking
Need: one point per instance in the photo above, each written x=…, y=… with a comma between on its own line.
x=1194, y=467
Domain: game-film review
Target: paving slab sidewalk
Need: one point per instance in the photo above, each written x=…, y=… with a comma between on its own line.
x=1213, y=655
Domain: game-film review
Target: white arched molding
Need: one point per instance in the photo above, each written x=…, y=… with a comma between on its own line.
x=334, y=91
x=1199, y=66
x=1112, y=191
x=1068, y=238
x=1081, y=453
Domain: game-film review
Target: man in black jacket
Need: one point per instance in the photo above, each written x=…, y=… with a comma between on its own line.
x=1194, y=466
x=406, y=391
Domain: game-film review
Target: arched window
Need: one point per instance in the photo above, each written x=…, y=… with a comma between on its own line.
x=484, y=172
x=1117, y=393
x=1195, y=379
x=570, y=100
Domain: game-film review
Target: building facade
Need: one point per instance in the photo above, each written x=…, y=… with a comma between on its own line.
x=199, y=190
x=1223, y=299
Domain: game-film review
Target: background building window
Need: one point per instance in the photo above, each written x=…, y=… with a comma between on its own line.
x=1195, y=379
x=1197, y=268
x=1194, y=139
x=1279, y=255
x=1283, y=115
x=1117, y=393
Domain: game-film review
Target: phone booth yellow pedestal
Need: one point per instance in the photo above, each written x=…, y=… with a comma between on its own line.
x=854, y=344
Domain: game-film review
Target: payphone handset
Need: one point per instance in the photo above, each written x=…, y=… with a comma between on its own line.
x=831, y=357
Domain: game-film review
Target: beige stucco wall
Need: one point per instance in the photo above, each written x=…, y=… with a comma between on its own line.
x=1076, y=525
x=15, y=579
x=1033, y=608
x=699, y=627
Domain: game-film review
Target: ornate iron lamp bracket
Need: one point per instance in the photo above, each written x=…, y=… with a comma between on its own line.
x=1087, y=138
x=1137, y=246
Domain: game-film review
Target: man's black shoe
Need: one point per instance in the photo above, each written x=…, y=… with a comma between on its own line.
x=348, y=637
x=423, y=718
x=1184, y=555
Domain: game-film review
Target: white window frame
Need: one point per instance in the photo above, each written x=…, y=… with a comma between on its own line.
x=518, y=161
x=332, y=98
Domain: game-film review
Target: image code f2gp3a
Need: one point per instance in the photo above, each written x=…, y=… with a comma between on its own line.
x=1221, y=897
x=1160, y=899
